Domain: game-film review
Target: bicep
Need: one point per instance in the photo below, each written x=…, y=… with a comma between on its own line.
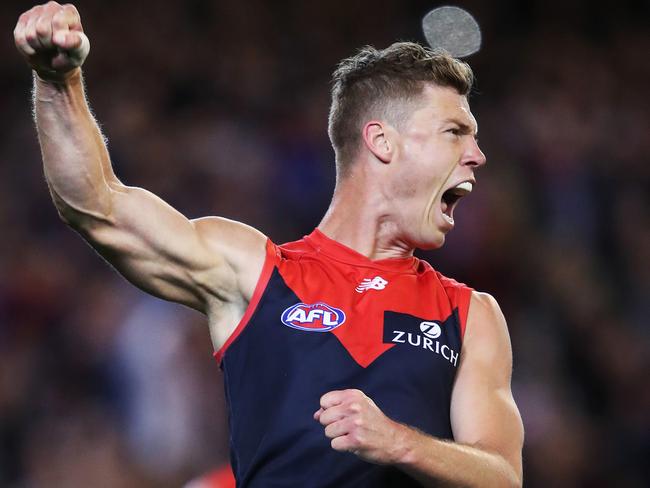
x=483, y=411
x=162, y=252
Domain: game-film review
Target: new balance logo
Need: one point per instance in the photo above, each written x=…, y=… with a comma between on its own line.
x=376, y=283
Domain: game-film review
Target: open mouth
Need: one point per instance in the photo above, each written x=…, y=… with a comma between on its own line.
x=451, y=197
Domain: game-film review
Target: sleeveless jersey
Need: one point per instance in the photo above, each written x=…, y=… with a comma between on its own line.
x=324, y=317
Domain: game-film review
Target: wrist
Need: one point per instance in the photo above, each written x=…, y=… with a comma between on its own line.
x=405, y=445
x=51, y=77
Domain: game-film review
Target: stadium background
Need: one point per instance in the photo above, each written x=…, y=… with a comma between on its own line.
x=220, y=108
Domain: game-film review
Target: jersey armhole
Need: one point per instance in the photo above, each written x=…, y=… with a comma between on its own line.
x=464, y=298
x=260, y=287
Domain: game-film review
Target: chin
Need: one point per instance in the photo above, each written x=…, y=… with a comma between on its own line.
x=431, y=242
x=436, y=245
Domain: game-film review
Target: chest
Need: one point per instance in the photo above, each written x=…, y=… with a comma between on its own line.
x=365, y=313
x=305, y=339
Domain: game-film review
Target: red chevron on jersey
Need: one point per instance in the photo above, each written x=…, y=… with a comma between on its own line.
x=320, y=270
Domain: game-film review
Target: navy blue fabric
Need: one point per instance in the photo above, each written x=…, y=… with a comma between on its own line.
x=275, y=376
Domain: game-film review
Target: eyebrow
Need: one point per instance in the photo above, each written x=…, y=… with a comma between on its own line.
x=464, y=127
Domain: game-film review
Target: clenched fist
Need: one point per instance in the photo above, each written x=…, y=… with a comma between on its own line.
x=356, y=424
x=51, y=38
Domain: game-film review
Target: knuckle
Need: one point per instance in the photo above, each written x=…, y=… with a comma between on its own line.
x=42, y=29
x=355, y=439
x=61, y=18
x=58, y=24
x=340, y=444
x=354, y=407
x=69, y=8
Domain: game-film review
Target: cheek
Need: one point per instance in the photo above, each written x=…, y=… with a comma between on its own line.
x=424, y=186
x=423, y=170
x=405, y=187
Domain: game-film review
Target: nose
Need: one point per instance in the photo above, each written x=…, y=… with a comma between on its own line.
x=473, y=156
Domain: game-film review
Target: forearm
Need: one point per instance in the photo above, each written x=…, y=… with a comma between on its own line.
x=75, y=159
x=435, y=462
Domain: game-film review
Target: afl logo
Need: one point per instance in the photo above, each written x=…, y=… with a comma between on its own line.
x=317, y=317
x=430, y=329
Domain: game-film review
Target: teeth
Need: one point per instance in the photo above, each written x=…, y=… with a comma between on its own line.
x=465, y=185
x=448, y=218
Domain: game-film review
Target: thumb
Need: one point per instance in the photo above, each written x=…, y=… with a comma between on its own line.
x=67, y=40
x=74, y=47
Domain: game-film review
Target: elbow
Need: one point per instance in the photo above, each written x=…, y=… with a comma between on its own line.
x=83, y=218
x=66, y=212
x=66, y=215
x=515, y=480
x=510, y=474
x=518, y=483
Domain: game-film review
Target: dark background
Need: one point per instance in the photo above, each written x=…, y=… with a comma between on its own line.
x=220, y=108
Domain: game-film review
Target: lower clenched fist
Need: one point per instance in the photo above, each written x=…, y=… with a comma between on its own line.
x=51, y=39
x=355, y=424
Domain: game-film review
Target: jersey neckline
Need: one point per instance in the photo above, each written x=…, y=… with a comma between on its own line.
x=340, y=252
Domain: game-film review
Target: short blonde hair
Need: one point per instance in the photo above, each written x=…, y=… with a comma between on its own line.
x=371, y=81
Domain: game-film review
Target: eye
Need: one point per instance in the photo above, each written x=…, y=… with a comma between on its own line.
x=454, y=130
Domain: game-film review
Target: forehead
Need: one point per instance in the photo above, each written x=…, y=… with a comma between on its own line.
x=443, y=104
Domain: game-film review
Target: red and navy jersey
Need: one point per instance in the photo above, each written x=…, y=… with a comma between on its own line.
x=324, y=317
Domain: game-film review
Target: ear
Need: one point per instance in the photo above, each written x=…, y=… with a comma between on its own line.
x=375, y=137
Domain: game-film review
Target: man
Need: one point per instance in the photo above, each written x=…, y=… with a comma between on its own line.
x=347, y=361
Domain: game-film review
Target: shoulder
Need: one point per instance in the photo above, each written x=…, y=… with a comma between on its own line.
x=241, y=246
x=484, y=306
x=224, y=230
x=232, y=239
x=487, y=338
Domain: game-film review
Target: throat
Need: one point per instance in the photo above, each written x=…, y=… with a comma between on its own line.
x=374, y=241
x=362, y=218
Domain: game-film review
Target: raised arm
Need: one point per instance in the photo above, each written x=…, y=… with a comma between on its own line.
x=202, y=263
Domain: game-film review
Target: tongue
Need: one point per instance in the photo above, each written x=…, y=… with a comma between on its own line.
x=443, y=206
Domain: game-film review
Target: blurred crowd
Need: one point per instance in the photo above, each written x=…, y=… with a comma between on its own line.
x=220, y=107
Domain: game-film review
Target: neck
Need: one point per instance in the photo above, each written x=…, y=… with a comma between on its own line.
x=360, y=218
